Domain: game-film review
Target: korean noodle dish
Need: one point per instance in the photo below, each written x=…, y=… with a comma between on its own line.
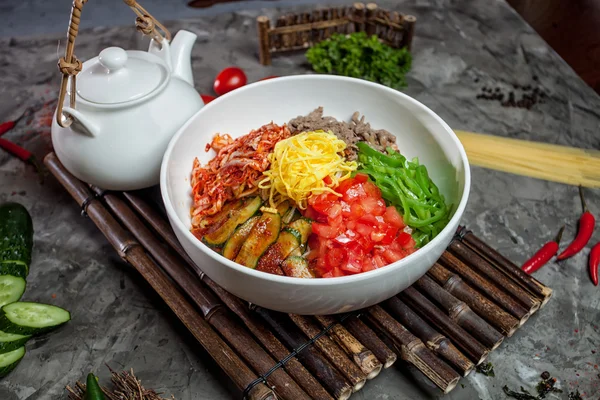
x=314, y=198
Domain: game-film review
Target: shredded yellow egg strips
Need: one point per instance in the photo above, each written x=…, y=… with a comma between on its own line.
x=300, y=163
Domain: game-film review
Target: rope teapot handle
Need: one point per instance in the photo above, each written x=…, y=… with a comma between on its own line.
x=70, y=66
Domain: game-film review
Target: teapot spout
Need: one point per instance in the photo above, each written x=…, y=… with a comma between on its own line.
x=181, y=56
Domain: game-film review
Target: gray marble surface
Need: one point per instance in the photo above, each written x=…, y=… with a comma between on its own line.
x=459, y=47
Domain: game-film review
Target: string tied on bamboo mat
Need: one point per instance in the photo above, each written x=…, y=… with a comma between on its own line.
x=88, y=200
x=293, y=353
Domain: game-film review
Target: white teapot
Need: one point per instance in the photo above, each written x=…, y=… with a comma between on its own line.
x=128, y=106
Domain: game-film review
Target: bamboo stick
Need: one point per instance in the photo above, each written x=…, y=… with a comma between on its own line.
x=325, y=15
x=467, y=254
x=292, y=36
x=213, y=311
x=460, y=312
x=371, y=26
x=365, y=335
x=485, y=308
x=315, y=19
x=435, y=341
x=264, y=47
x=409, y=31
x=332, y=352
x=285, y=37
x=413, y=351
x=359, y=17
x=533, y=285
x=428, y=311
x=306, y=27
x=134, y=254
x=362, y=356
x=333, y=380
x=304, y=36
x=268, y=340
x=485, y=286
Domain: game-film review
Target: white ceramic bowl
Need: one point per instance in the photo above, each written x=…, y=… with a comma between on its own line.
x=420, y=133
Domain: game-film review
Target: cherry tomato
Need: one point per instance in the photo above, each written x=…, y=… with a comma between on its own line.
x=207, y=98
x=229, y=79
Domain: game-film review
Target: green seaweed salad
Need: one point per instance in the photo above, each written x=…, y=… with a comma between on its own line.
x=407, y=186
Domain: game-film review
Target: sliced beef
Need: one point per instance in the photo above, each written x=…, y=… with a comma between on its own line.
x=357, y=130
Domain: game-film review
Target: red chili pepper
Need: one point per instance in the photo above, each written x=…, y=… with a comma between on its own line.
x=8, y=125
x=593, y=264
x=586, y=228
x=543, y=255
x=19, y=152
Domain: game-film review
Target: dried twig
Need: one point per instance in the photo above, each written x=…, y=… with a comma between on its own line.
x=126, y=387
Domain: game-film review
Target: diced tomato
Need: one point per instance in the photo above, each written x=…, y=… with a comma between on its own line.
x=391, y=256
x=377, y=236
x=364, y=229
x=352, y=265
x=368, y=264
x=335, y=211
x=390, y=235
x=360, y=178
x=324, y=230
x=369, y=220
x=392, y=217
x=344, y=185
x=372, y=190
x=335, y=257
x=313, y=214
x=404, y=239
x=379, y=261
x=366, y=243
x=322, y=207
x=355, y=192
x=355, y=232
x=327, y=180
x=356, y=210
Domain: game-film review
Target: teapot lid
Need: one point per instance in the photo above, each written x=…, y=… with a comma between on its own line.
x=118, y=76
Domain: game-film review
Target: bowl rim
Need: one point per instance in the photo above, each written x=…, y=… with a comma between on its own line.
x=174, y=218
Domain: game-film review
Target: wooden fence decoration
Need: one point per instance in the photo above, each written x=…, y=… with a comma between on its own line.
x=294, y=32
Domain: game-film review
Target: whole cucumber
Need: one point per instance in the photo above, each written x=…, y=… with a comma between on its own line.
x=16, y=240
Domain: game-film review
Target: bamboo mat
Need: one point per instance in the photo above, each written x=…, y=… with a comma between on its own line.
x=448, y=322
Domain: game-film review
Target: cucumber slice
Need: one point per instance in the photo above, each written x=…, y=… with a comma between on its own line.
x=296, y=267
x=235, y=242
x=262, y=235
x=14, y=268
x=283, y=208
x=297, y=252
x=236, y=217
x=270, y=260
x=11, y=289
x=11, y=341
x=304, y=226
x=27, y=318
x=9, y=361
x=16, y=233
x=211, y=222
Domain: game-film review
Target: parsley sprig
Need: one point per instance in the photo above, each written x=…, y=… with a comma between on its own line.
x=360, y=56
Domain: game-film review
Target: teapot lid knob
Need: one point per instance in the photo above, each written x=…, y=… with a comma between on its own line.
x=113, y=58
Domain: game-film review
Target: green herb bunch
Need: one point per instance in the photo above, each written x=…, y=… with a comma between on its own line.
x=359, y=56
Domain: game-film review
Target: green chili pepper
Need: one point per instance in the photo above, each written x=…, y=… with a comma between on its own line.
x=92, y=389
x=369, y=151
x=422, y=179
